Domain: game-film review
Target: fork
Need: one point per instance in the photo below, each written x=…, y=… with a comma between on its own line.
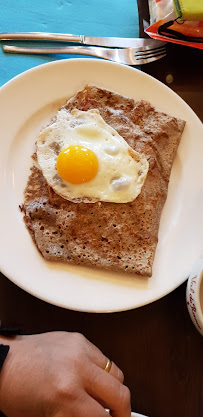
x=129, y=56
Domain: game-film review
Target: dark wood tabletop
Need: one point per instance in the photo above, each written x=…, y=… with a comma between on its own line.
x=156, y=346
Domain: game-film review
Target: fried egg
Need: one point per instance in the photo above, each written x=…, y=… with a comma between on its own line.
x=84, y=159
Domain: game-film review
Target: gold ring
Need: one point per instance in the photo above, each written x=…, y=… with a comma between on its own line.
x=108, y=366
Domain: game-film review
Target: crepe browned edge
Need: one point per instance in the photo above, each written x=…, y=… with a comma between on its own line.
x=112, y=236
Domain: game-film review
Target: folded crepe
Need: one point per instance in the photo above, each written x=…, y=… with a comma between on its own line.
x=112, y=236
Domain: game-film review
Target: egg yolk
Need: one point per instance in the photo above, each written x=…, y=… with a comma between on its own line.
x=77, y=164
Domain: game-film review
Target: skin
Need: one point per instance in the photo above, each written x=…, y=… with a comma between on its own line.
x=60, y=374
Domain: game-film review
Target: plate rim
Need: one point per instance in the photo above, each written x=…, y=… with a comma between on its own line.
x=97, y=60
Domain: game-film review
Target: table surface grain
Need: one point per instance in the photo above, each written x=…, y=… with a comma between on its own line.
x=156, y=346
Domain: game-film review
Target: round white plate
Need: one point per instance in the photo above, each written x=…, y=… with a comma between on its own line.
x=137, y=415
x=27, y=103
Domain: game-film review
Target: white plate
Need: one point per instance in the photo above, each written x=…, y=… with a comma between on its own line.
x=137, y=415
x=26, y=104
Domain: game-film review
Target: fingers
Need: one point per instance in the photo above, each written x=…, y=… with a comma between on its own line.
x=99, y=359
x=85, y=406
x=109, y=392
x=91, y=408
x=106, y=388
x=116, y=373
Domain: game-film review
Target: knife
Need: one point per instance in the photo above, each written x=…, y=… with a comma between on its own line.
x=85, y=40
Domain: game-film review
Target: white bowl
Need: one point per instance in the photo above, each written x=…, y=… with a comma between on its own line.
x=194, y=296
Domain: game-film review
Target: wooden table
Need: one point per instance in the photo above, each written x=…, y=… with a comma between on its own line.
x=156, y=346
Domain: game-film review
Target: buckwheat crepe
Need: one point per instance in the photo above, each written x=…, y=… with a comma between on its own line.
x=112, y=236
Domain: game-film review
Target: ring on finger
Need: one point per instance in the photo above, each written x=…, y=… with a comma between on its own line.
x=108, y=365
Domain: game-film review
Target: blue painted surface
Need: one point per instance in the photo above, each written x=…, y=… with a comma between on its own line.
x=84, y=17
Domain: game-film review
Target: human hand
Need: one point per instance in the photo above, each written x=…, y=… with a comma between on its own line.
x=60, y=374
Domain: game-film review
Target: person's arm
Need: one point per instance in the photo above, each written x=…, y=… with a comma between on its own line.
x=59, y=374
x=4, y=349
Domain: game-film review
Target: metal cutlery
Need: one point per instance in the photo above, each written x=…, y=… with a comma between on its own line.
x=85, y=40
x=129, y=56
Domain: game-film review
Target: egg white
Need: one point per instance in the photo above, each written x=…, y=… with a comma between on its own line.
x=121, y=171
